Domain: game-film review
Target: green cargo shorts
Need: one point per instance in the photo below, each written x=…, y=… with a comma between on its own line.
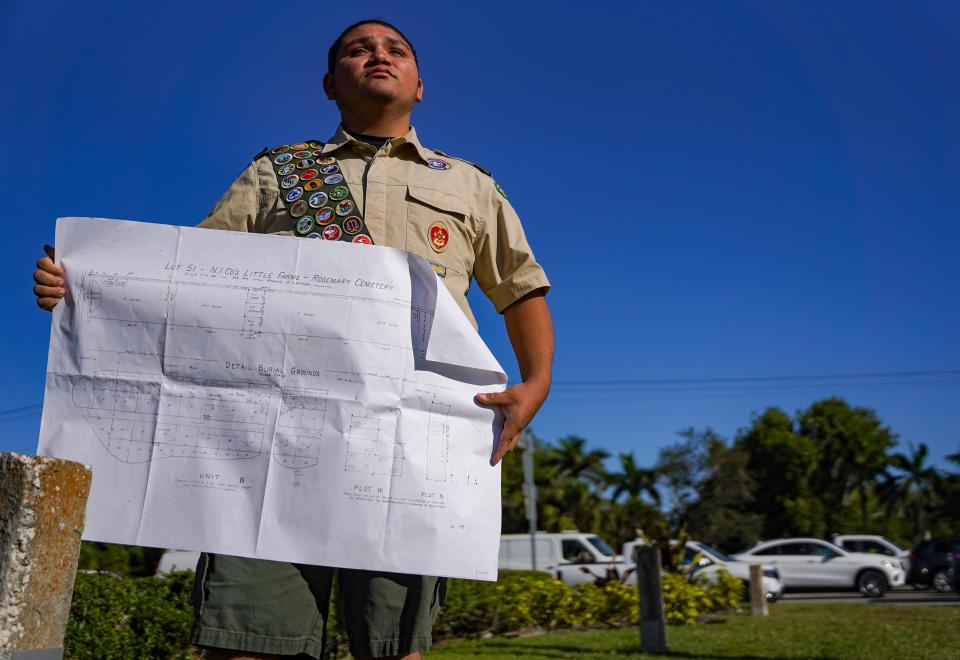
x=262, y=606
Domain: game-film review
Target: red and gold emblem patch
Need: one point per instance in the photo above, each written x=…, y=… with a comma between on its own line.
x=439, y=236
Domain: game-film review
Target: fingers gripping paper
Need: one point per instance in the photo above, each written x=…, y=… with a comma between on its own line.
x=272, y=397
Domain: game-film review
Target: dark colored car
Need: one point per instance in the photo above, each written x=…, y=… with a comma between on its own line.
x=955, y=568
x=930, y=563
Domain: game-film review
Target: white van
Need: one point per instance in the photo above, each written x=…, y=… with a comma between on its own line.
x=571, y=556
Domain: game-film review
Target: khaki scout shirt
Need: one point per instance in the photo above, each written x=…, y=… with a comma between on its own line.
x=401, y=197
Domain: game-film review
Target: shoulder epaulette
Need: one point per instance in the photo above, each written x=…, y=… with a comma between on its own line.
x=309, y=144
x=464, y=160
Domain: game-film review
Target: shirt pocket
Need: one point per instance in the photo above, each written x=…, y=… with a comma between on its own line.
x=437, y=230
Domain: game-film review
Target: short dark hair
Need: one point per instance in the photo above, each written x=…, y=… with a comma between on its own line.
x=335, y=46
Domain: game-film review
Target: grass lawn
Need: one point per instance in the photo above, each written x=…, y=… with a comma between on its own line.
x=837, y=632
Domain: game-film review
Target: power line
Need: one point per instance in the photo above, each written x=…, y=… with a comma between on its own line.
x=23, y=415
x=632, y=394
x=756, y=379
x=13, y=410
x=726, y=384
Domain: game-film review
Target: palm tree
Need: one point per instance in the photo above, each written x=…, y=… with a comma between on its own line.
x=954, y=458
x=571, y=459
x=634, y=480
x=917, y=483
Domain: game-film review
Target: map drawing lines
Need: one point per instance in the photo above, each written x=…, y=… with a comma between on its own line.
x=369, y=452
x=298, y=435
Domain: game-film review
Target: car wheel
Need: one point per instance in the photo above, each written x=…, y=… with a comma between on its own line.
x=941, y=582
x=872, y=584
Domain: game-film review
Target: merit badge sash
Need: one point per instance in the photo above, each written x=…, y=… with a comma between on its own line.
x=316, y=194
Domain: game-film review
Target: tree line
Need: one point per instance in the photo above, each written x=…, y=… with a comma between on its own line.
x=831, y=468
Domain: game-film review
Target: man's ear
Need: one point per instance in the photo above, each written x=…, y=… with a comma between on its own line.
x=419, y=96
x=328, y=87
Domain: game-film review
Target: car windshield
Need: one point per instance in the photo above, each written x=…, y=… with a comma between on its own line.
x=599, y=544
x=716, y=553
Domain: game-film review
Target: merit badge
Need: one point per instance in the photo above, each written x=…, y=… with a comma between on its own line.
x=314, y=235
x=437, y=164
x=499, y=189
x=330, y=169
x=299, y=208
x=352, y=225
x=294, y=194
x=310, y=186
x=279, y=150
x=338, y=193
x=318, y=199
x=331, y=233
x=345, y=207
x=289, y=182
x=304, y=225
x=314, y=144
x=324, y=216
x=333, y=179
x=363, y=239
x=326, y=160
x=284, y=170
x=302, y=154
x=311, y=173
x=283, y=159
x=305, y=163
x=439, y=236
x=299, y=146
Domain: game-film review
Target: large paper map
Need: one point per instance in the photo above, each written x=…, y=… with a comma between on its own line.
x=273, y=397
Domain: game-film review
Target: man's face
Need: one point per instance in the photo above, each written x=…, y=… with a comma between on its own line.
x=374, y=65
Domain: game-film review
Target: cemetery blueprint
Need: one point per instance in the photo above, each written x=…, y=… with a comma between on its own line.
x=273, y=397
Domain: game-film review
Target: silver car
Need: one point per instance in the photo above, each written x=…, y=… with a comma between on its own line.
x=814, y=563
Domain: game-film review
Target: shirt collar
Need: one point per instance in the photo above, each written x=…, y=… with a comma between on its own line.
x=342, y=138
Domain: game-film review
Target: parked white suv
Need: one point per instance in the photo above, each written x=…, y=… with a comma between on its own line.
x=814, y=563
x=873, y=544
x=712, y=561
x=572, y=556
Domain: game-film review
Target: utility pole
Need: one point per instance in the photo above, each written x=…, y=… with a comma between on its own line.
x=530, y=492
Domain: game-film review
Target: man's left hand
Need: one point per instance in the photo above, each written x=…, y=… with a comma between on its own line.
x=519, y=404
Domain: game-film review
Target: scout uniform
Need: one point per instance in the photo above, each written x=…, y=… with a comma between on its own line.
x=401, y=195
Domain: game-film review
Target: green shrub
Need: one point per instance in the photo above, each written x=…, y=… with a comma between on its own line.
x=621, y=604
x=524, y=599
x=686, y=598
x=469, y=608
x=133, y=618
x=151, y=617
x=683, y=601
x=727, y=592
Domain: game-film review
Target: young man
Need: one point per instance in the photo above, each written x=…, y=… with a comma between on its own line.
x=371, y=182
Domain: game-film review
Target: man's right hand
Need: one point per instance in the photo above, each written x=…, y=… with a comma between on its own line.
x=49, y=287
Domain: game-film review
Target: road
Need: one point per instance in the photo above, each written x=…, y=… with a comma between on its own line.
x=907, y=596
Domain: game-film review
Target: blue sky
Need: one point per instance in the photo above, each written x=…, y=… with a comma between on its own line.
x=716, y=189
